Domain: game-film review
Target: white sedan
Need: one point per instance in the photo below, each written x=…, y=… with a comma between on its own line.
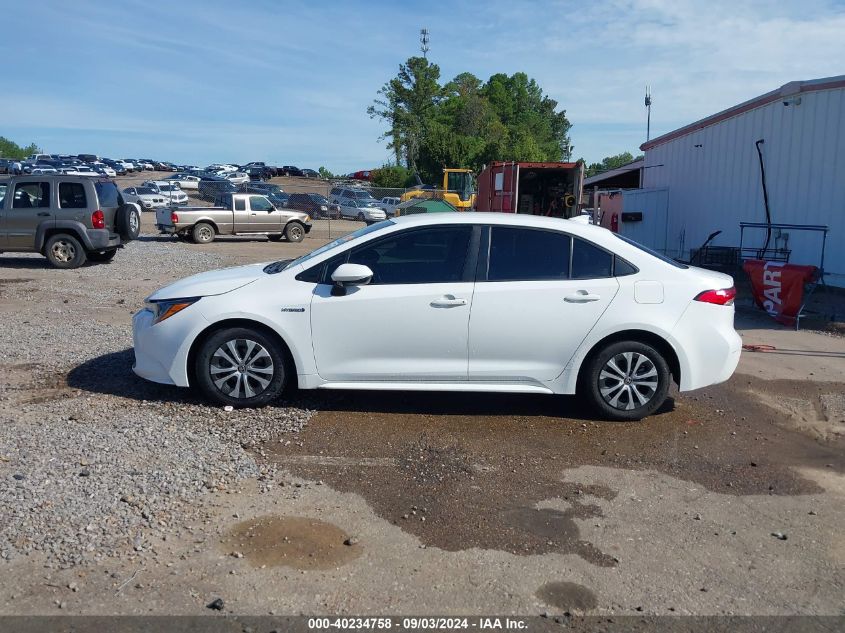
x=236, y=177
x=169, y=190
x=186, y=181
x=363, y=211
x=146, y=198
x=464, y=302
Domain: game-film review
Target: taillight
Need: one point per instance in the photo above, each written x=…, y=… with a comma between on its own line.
x=721, y=297
x=98, y=220
x=174, y=217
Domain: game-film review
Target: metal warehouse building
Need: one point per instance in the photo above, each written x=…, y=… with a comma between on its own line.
x=706, y=177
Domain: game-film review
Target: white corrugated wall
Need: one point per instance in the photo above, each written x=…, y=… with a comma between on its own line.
x=713, y=178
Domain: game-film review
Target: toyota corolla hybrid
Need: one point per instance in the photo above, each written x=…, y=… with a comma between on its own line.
x=449, y=302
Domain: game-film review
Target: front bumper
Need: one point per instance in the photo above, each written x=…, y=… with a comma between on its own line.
x=161, y=349
x=308, y=227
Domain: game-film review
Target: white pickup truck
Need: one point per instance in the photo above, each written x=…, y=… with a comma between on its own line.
x=240, y=214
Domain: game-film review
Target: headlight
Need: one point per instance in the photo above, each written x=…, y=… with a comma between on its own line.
x=307, y=218
x=324, y=208
x=166, y=308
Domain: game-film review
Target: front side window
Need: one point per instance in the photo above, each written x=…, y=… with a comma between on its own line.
x=72, y=195
x=32, y=195
x=518, y=254
x=259, y=203
x=431, y=255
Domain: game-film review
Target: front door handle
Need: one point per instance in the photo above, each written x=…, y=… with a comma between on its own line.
x=582, y=296
x=448, y=301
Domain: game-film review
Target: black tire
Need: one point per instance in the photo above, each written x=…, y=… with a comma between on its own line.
x=183, y=237
x=102, y=258
x=360, y=217
x=275, y=238
x=640, y=373
x=64, y=251
x=210, y=359
x=294, y=232
x=203, y=233
x=128, y=222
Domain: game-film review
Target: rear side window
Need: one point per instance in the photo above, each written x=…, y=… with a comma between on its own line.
x=107, y=194
x=518, y=254
x=72, y=195
x=589, y=261
x=32, y=195
x=240, y=204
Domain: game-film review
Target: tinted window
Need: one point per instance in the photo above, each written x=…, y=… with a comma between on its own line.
x=107, y=194
x=589, y=261
x=622, y=268
x=72, y=196
x=434, y=255
x=525, y=254
x=31, y=195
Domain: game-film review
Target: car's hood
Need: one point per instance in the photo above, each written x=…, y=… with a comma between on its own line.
x=214, y=282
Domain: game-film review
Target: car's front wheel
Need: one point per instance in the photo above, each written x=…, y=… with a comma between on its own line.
x=240, y=367
x=294, y=232
x=626, y=380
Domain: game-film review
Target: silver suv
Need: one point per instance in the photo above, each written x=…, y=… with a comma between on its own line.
x=68, y=219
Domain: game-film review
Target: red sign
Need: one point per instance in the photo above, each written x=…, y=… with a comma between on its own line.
x=778, y=287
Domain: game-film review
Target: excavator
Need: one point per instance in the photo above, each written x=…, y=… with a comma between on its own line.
x=457, y=190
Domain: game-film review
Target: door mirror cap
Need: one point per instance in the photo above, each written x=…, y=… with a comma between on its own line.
x=352, y=275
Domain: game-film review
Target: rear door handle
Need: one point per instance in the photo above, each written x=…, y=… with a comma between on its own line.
x=43, y=214
x=582, y=296
x=448, y=301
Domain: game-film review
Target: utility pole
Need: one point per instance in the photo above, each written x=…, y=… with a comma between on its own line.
x=648, y=114
x=424, y=42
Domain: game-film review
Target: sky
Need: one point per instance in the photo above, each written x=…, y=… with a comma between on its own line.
x=289, y=82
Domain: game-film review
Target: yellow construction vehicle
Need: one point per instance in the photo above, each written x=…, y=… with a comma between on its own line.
x=458, y=190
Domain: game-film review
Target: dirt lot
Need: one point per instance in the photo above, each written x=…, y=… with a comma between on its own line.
x=119, y=496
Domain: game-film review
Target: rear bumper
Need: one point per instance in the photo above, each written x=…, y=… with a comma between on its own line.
x=710, y=344
x=100, y=239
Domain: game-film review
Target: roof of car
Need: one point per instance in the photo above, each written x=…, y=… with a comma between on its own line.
x=505, y=219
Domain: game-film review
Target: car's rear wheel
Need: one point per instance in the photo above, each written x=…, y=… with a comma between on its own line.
x=64, y=251
x=294, y=232
x=203, y=233
x=240, y=367
x=102, y=258
x=360, y=217
x=626, y=380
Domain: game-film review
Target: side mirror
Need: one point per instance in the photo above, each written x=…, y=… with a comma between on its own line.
x=347, y=275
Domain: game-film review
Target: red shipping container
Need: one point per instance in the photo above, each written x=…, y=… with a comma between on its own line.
x=778, y=287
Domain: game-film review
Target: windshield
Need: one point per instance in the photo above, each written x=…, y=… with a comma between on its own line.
x=363, y=195
x=279, y=266
x=646, y=249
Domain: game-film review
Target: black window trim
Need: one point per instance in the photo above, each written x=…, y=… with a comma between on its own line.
x=483, y=268
x=467, y=276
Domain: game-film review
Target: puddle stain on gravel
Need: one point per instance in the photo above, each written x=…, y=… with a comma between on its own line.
x=567, y=595
x=298, y=542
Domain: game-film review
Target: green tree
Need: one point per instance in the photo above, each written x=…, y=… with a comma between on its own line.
x=325, y=173
x=392, y=177
x=10, y=149
x=407, y=104
x=468, y=123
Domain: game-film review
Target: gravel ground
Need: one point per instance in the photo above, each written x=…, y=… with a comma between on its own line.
x=94, y=462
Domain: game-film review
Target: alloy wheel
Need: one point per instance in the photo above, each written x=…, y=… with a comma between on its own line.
x=628, y=380
x=63, y=251
x=241, y=368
